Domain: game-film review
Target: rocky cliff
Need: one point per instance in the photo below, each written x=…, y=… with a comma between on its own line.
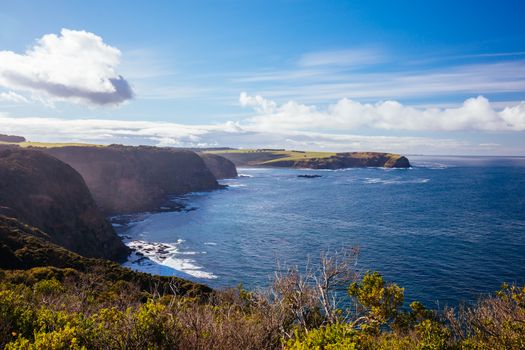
x=126, y=179
x=44, y=192
x=221, y=167
x=348, y=160
x=313, y=160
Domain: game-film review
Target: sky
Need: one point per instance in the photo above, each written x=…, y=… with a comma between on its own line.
x=411, y=77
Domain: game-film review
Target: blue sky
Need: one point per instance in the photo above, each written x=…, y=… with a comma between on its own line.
x=403, y=76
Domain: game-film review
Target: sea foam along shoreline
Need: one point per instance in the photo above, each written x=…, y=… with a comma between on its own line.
x=166, y=254
x=147, y=256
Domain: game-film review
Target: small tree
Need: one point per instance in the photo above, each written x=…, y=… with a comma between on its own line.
x=378, y=300
x=310, y=298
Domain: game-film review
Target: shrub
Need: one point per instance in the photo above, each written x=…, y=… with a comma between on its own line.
x=48, y=308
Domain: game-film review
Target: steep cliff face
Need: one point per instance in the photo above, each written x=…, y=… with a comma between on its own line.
x=47, y=193
x=221, y=167
x=126, y=179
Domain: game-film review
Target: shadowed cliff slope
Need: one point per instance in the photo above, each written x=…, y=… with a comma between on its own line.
x=221, y=167
x=47, y=193
x=126, y=179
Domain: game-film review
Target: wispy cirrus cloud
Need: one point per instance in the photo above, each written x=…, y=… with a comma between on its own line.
x=393, y=79
x=11, y=96
x=343, y=58
x=75, y=66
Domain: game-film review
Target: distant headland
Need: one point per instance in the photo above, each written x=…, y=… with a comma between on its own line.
x=311, y=160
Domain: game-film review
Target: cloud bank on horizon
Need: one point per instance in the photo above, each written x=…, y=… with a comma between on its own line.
x=78, y=67
x=233, y=134
x=474, y=114
x=291, y=125
x=75, y=66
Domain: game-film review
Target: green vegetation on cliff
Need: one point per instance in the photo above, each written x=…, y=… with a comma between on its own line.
x=62, y=308
x=31, y=256
x=312, y=160
x=33, y=144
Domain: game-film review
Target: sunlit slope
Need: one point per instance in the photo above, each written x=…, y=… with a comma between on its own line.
x=26, y=144
x=314, y=160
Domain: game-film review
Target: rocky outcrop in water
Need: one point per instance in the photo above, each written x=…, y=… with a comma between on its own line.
x=221, y=167
x=306, y=176
x=125, y=179
x=42, y=191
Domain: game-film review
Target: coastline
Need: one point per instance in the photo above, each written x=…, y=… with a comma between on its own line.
x=159, y=258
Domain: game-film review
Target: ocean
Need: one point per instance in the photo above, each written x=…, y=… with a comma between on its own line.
x=448, y=230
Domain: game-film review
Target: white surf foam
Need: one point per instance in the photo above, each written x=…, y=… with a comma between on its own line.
x=188, y=266
x=168, y=254
x=396, y=181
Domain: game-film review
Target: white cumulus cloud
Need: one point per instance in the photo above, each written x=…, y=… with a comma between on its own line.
x=75, y=66
x=232, y=134
x=474, y=114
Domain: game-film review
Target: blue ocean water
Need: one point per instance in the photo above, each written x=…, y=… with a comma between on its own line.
x=448, y=230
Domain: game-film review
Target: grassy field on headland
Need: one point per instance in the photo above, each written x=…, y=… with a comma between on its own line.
x=27, y=144
x=278, y=154
x=311, y=159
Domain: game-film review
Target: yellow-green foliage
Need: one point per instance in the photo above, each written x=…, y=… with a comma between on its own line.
x=380, y=300
x=70, y=314
x=330, y=337
x=64, y=338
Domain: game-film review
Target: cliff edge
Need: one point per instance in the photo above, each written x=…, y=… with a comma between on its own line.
x=221, y=167
x=313, y=160
x=126, y=179
x=347, y=160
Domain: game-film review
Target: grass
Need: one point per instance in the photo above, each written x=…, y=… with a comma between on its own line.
x=232, y=151
x=295, y=156
x=49, y=144
x=282, y=155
